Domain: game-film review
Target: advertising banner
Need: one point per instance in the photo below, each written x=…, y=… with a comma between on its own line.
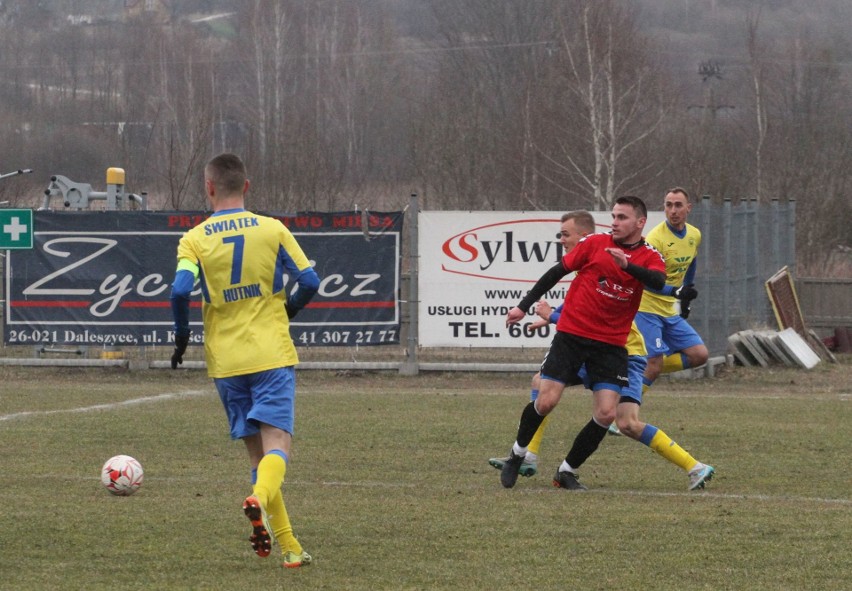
x=103, y=279
x=476, y=265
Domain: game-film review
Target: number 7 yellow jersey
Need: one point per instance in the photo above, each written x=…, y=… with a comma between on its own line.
x=243, y=261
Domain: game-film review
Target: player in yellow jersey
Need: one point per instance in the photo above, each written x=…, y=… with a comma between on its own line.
x=242, y=262
x=672, y=343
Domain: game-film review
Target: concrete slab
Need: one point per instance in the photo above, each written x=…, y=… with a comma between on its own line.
x=712, y=364
x=741, y=352
x=750, y=342
x=768, y=339
x=819, y=347
x=797, y=348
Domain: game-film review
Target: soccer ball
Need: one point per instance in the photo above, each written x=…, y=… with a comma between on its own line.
x=122, y=475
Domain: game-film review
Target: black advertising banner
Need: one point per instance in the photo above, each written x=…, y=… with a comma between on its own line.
x=104, y=279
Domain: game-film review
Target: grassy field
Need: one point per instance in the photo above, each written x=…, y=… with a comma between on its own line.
x=389, y=487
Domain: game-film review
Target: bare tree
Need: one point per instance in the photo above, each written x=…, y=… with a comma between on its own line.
x=168, y=112
x=808, y=156
x=607, y=107
x=504, y=104
x=760, y=109
x=474, y=138
x=319, y=95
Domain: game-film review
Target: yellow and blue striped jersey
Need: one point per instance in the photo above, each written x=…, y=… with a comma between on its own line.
x=679, y=253
x=240, y=259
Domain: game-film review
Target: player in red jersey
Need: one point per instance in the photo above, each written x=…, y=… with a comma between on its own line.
x=593, y=327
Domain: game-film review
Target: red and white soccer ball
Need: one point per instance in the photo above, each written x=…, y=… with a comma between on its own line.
x=122, y=475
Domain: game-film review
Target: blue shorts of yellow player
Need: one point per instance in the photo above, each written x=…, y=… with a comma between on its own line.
x=665, y=335
x=264, y=397
x=635, y=370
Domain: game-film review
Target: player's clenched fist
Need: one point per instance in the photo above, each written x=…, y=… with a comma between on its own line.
x=514, y=315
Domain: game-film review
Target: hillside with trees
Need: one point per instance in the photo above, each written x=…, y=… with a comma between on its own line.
x=474, y=104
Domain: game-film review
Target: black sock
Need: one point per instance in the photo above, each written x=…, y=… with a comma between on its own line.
x=530, y=422
x=585, y=444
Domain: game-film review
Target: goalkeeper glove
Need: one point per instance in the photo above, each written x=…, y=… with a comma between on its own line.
x=685, y=293
x=685, y=308
x=291, y=312
x=180, y=349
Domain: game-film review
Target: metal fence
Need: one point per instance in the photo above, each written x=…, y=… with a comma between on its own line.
x=826, y=303
x=742, y=246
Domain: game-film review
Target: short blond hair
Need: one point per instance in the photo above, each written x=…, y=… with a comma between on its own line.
x=680, y=190
x=584, y=221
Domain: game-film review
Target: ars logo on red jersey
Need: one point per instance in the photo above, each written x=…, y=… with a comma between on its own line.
x=613, y=290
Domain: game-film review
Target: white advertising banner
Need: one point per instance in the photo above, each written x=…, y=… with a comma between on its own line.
x=476, y=265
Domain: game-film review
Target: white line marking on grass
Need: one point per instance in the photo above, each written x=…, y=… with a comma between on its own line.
x=737, y=497
x=709, y=495
x=364, y=484
x=107, y=406
x=630, y=493
x=707, y=394
x=706, y=495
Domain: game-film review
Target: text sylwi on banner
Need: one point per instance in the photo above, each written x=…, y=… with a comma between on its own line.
x=476, y=265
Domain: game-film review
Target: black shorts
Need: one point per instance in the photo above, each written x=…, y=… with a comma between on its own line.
x=605, y=364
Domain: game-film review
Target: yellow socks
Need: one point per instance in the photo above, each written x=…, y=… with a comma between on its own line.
x=267, y=489
x=535, y=442
x=663, y=445
x=270, y=477
x=674, y=362
x=279, y=521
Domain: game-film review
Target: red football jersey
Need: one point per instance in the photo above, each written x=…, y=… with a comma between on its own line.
x=603, y=297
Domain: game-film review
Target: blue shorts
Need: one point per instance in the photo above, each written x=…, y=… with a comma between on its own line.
x=664, y=335
x=635, y=371
x=263, y=397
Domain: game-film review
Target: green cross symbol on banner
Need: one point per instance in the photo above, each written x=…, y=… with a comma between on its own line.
x=16, y=228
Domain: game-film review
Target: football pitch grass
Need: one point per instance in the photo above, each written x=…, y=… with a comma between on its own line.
x=389, y=486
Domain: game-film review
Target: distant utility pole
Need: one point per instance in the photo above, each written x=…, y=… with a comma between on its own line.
x=710, y=72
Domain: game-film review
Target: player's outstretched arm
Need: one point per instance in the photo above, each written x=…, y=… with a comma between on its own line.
x=550, y=278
